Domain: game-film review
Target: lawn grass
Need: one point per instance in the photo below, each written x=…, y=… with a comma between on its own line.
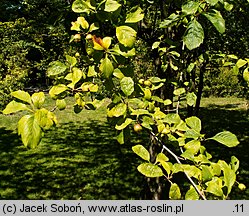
x=80, y=159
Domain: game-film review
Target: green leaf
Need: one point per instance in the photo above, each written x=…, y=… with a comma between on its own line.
x=61, y=104
x=194, y=123
x=30, y=131
x=228, y=6
x=134, y=17
x=124, y=125
x=58, y=89
x=174, y=192
x=120, y=137
x=170, y=21
x=14, y=107
x=229, y=178
x=71, y=60
x=147, y=94
x=77, y=75
x=172, y=118
x=22, y=95
x=179, y=91
x=91, y=71
x=191, y=194
x=127, y=85
x=193, y=146
x=191, y=133
x=190, y=7
x=191, y=98
x=216, y=170
x=111, y=5
x=156, y=44
x=106, y=67
x=118, y=110
x=240, y=63
x=246, y=75
x=56, y=68
x=93, y=27
x=194, y=35
x=45, y=118
x=85, y=25
x=141, y=152
x=161, y=157
x=215, y=187
x=226, y=138
x=212, y=2
x=216, y=19
x=191, y=67
x=206, y=173
x=150, y=170
x=126, y=35
x=167, y=166
x=81, y=6
x=38, y=99
x=234, y=163
x=191, y=170
x=117, y=73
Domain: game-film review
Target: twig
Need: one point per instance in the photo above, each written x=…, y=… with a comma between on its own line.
x=178, y=161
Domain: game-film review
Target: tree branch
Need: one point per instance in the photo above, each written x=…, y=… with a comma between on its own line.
x=178, y=161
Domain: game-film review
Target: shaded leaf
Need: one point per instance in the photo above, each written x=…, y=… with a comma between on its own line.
x=194, y=35
x=174, y=192
x=56, y=68
x=216, y=19
x=190, y=7
x=106, y=67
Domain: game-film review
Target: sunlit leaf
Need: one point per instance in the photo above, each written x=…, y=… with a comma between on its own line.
x=127, y=85
x=30, y=131
x=141, y=151
x=150, y=170
x=126, y=35
x=22, y=95
x=226, y=138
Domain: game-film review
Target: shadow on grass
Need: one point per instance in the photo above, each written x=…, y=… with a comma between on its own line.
x=216, y=119
x=84, y=161
x=74, y=161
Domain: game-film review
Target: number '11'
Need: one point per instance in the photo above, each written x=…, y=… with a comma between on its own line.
x=239, y=208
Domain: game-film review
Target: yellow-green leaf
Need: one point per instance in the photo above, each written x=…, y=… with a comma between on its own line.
x=38, y=99
x=30, y=131
x=141, y=151
x=14, y=107
x=126, y=35
x=22, y=95
x=174, y=192
x=150, y=170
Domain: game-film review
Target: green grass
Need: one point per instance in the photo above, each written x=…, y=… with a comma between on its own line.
x=80, y=159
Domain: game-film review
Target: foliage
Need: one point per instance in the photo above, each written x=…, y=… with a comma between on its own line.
x=31, y=38
x=178, y=144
